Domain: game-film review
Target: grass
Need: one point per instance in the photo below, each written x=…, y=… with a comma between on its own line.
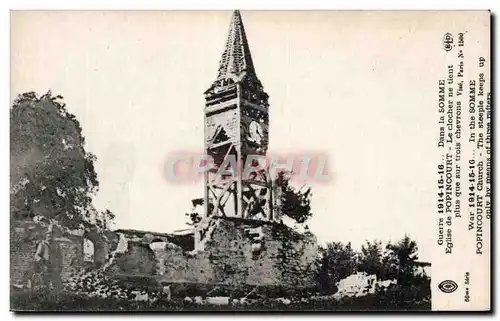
x=388, y=301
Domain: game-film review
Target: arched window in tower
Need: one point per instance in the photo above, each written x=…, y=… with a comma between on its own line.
x=88, y=251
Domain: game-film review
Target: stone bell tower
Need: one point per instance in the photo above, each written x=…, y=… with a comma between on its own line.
x=237, y=129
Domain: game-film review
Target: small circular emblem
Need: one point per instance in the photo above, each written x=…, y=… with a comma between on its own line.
x=447, y=41
x=448, y=286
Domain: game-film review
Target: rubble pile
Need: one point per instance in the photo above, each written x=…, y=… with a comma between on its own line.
x=360, y=284
x=95, y=284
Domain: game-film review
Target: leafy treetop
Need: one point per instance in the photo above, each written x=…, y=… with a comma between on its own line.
x=52, y=175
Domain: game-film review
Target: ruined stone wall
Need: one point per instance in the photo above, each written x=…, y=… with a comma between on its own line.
x=285, y=257
x=24, y=238
x=103, y=245
x=164, y=261
x=231, y=255
x=67, y=246
x=139, y=259
x=233, y=260
x=71, y=252
x=236, y=252
x=176, y=265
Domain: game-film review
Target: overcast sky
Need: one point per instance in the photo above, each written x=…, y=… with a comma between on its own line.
x=349, y=85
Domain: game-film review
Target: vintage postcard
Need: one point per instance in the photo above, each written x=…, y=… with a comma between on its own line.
x=250, y=160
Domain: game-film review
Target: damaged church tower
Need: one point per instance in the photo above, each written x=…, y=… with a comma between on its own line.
x=241, y=234
x=236, y=136
x=237, y=129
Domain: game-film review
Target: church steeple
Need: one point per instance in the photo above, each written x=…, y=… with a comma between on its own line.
x=236, y=57
x=237, y=129
x=236, y=65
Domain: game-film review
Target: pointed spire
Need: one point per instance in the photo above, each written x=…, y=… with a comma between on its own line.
x=236, y=58
x=236, y=66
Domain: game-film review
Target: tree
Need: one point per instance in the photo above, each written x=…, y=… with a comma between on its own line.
x=336, y=262
x=400, y=259
x=52, y=175
x=370, y=258
x=103, y=220
x=193, y=216
x=293, y=203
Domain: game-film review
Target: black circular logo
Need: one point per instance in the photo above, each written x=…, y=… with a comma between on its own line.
x=448, y=286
